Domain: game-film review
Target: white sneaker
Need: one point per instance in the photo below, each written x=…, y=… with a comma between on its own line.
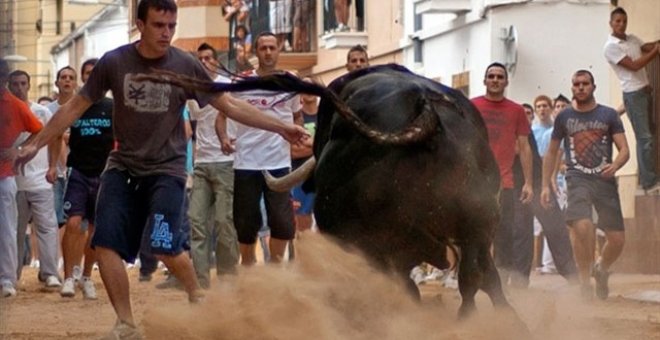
x=34, y=263
x=68, y=288
x=53, y=281
x=654, y=190
x=88, y=289
x=77, y=273
x=8, y=290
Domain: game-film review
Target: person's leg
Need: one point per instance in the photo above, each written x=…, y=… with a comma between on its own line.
x=281, y=219
x=119, y=224
x=23, y=219
x=165, y=225
x=115, y=280
x=612, y=248
x=503, y=240
x=583, y=241
x=557, y=237
x=8, y=220
x=638, y=107
x=523, y=241
x=226, y=247
x=45, y=222
x=201, y=200
x=247, y=215
x=73, y=243
x=341, y=12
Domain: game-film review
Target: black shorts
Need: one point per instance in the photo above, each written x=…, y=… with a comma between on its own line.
x=249, y=188
x=128, y=206
x=80, y=195
x=585, y=193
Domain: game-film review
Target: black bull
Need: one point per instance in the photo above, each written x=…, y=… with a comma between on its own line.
x=404, y=170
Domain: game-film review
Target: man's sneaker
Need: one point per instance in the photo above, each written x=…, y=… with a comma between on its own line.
x=144, y=277
x=68, y=288
x=170, y=282
x=8, y=290
x=88, y=289
x=123, y=331
x=77, y=273
x=601, y=277
x=53, y=281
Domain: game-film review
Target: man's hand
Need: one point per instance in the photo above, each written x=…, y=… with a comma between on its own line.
x=295, y=134
x=609, y=170
x=51, y=174
x=526, y=194
x=24, y=154
x=546, y=197
x=227, y=146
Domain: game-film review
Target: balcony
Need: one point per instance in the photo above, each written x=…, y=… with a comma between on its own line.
x=298, y=50
x=442, y=6
x=343, y=26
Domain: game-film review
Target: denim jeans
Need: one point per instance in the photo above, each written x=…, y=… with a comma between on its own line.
x=638, y=105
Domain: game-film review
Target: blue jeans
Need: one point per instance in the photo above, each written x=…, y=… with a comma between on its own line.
x=638, y=105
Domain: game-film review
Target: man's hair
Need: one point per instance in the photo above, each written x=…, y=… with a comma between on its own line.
x=357, y=48
x=4, y=67
x=527, y=106
x=261, y=35
x=543, y=98
x=18, y=73
x=62, y=70
x=562, y=98
x=204, y=46
x=90, y=61
x=585, y=72
x=45, y=98
x=159, y=5
x=497, y=64
x=616, y=11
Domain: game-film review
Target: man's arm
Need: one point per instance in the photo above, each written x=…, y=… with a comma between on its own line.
x=621, y=158
x=649, y=45
x=549, y=161
x=526, y=161
x=639, y=63
x=247, y=114
x=63, y=118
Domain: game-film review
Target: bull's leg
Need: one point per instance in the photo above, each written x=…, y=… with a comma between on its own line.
x=469, y=279
x=491, y=283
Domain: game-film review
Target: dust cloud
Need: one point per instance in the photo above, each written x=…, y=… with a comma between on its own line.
x=329, y=293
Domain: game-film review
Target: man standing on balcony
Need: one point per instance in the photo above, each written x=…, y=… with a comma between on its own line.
x=628, y=56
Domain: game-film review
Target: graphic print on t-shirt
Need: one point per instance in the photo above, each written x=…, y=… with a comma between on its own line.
x=146, y=96
x=589, y=145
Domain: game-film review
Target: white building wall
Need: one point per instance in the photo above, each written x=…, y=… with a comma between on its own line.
x=555, y=38
x=107, y=35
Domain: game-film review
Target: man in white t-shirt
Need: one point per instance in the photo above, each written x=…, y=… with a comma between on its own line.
x=258, y=150
x=628, y=56
x=34, y=197
x=213, y=187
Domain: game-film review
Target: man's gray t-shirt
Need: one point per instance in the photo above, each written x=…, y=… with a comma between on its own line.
x=587, y=138
x=147, y=120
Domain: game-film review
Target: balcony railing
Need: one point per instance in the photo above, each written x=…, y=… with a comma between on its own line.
x=297, y=32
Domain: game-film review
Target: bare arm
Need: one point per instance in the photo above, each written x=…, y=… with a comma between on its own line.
x=226, y=144
x=247, y=114
x=639, y=63
x=526, y=161
x=649, y=45
x=63, y=118
x=549, y=162
x=621, y=158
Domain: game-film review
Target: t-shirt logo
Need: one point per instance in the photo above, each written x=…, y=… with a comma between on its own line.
x=146, y=96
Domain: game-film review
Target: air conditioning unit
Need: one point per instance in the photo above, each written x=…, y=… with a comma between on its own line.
x=442, y=6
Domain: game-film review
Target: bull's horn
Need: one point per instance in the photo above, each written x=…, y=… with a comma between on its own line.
x=286, y=183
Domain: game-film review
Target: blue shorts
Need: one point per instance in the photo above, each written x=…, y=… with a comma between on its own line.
x=306, y=200
x=127, y=206
x=583, y=194
x=80, y=195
